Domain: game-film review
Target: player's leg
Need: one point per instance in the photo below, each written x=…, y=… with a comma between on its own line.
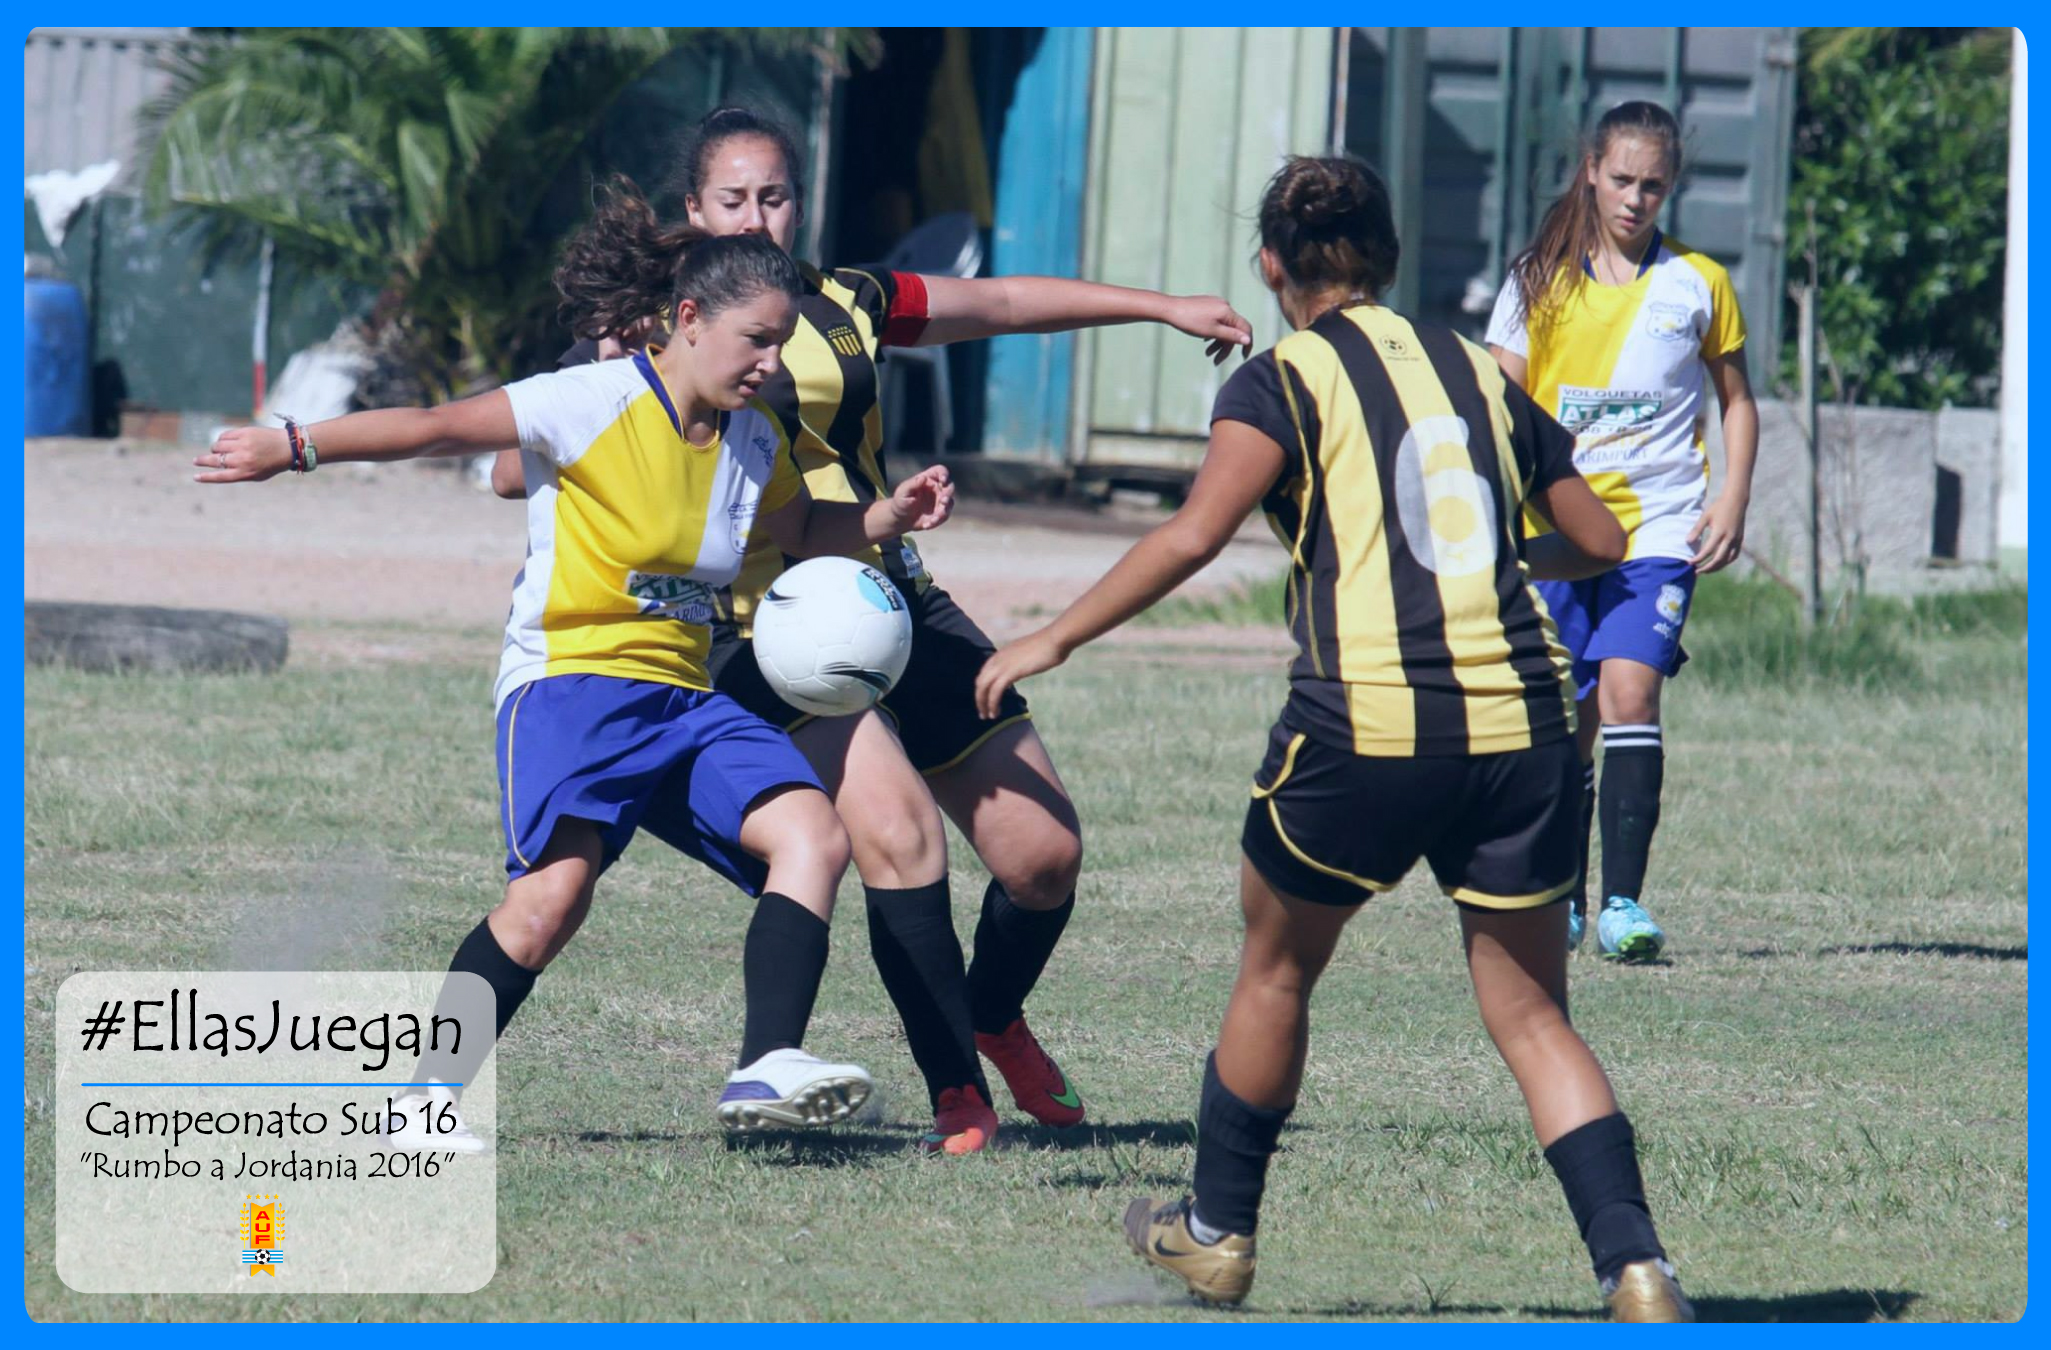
x=996, y=781
x=543, y=907
x=900, y=851
x=1509, y=862
x=1633, y=778
x=1250, y=1085
x=1308, y=866
x=1008, y=800
x=1518, y=965
x=1636, y=639
x=747, y=805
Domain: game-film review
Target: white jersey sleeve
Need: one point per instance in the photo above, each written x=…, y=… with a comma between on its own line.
x=561, y=413
x=1506, y=328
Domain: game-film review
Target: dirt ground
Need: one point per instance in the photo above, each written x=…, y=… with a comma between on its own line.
x=419, y=548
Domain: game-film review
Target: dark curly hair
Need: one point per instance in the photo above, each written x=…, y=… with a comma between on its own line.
x=625, y=265
x=1328, y=222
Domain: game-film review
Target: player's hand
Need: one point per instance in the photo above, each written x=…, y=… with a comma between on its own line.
x=1015, y=661
x=923, y=501
x=245, y=455
x=1210, y=318
x=1719, y=536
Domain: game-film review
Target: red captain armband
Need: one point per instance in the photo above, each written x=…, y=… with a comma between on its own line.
x=907, y=316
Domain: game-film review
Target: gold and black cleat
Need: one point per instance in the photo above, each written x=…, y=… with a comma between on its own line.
x=1646, y=1291
x=1220, y=1272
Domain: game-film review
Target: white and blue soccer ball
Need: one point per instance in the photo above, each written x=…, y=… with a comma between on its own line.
x=832, y=635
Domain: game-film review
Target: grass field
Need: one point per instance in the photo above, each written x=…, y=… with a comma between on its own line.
x=1828, y=1077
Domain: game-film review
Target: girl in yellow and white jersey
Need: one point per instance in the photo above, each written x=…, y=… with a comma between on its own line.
x=651, y=479
x=1621, y=332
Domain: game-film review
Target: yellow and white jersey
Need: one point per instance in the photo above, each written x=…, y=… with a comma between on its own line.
x=1622, y=368
x=631, y=529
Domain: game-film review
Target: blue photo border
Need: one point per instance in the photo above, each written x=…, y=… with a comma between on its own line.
x=909, y=12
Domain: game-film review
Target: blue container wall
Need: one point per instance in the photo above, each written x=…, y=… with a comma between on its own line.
x=56, y=400
x=1042, y=165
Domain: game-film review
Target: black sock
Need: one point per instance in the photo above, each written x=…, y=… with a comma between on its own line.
x=1579, y=895
x=1597, y=1165
x=911, y=935
x=1233, y=1144
x=1012, y=947
x=481, y=955
x=1633, y=768
x=781, y=966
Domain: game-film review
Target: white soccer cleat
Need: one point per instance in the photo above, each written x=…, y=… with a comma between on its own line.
x=789, y=1089
x=440, y=1130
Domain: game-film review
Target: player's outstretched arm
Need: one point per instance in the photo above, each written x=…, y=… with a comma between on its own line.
x=1238, y=470
x=807, y=528
x=959, y=309
x=469, y=426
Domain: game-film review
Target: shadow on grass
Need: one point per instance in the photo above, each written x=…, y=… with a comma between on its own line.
x=1971, y=951
x=1830, y=1305
x=1833, y=1305
x=1165, y=1133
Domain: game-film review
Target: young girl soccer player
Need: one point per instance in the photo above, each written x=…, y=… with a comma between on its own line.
x=1612, y=327
x=650, y=479
x=1428, y=714
x=891, y=776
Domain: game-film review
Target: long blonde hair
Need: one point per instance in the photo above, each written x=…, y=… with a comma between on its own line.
x=1549, y=272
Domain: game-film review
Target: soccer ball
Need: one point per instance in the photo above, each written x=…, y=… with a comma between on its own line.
x=832, y=635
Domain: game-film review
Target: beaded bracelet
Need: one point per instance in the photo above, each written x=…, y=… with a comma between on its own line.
x=304, y=457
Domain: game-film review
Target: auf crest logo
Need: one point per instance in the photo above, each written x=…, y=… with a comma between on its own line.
x=263, y=1229
x=1668, y=322
x=843, y=340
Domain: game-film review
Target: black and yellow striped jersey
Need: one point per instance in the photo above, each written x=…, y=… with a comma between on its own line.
x=1409, y=458
x=826, y=398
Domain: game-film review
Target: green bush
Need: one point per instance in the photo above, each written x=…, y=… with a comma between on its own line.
x=1901, y=148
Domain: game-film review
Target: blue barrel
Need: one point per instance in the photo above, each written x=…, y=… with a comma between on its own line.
x=58, y=398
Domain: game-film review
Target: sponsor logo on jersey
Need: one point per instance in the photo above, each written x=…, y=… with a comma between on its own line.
x=665, y=595
x=1583, y=409
x=740, y=523
x=844, y=340
x=1395, y=348
x=1668, y=322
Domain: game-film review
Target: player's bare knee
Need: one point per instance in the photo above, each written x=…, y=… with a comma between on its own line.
x=1045, y=877
x=898, y=847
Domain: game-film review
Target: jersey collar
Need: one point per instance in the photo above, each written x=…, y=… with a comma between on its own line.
x=1652, y=247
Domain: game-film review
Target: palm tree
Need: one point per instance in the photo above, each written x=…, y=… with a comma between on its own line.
x=416, y=162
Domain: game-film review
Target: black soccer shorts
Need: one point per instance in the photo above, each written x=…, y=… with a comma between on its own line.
x=1500, y=831
x=933, y=705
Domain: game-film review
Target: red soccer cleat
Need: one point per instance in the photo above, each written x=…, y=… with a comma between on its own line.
x=965, y=1123
x=1037, y=1084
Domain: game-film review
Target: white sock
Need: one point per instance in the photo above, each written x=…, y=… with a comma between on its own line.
x=1200, y=1230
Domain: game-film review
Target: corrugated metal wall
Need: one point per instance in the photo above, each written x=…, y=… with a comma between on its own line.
x=81, y=89
x=1488, y=137
x=1186, y=125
